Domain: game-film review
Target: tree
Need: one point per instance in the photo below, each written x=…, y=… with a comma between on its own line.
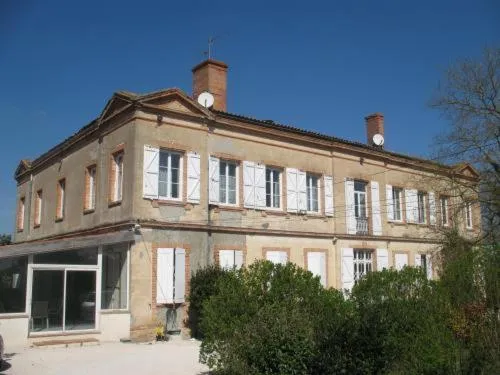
x=5, y=239
x=469, y=97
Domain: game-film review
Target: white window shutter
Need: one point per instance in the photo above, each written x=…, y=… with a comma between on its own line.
x=249, y=184
x=151, y=169
x=316, y=263
x=283, y=257
x=432, y=208
x=401, y=260
x=302, y=190
x=389, y=202
x=411, y=205
x=376, y=215
x=329, y=206
x=214, y=180
x=180, y=275
x=382, y=259
x=260, y=186
x=193, y=177
x=238, y=259
x=226, y=259
x=165, y=275
x=350, y=218
x=418, y=260
x=292, y=197
x=347, y=268
x=429, y=266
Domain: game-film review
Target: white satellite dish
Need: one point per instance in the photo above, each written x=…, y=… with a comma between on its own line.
x=206, y=99
x=378, y=139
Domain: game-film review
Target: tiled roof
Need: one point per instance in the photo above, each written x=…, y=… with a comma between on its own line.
x=274, y=125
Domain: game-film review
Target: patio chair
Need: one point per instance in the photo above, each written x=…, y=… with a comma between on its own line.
x=40, y=310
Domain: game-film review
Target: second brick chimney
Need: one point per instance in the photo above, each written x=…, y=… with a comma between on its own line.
x=211, y=76
x=374, y=125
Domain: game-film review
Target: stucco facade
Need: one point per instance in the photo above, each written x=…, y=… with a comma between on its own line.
x=170, y=120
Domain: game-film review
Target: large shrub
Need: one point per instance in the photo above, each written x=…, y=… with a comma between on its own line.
x=202, y=286
x=264, y=320
x=403, y=324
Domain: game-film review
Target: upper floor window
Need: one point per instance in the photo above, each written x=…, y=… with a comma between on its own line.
x=169, y=175
x=468, y=215
x=443, y=202
x=312, y=193
x=273, y=196
x=227, y=182
x=116, y=176
x=90, y=187
x=61, y=199
x=397, y=203
x=421, y=211
x=360, y=199
x=20, y=214
x=38, y=208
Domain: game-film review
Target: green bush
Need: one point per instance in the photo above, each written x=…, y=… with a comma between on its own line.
x=403, y=324
x=202, y=286
x=264, y=320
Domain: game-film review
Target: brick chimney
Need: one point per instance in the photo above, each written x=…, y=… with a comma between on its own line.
x=211, y=76
x=374, y=125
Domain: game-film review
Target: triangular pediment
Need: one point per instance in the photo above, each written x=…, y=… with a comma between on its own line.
x=118, y=102
x=175, y=100
x=22, y=167
x=467, y=170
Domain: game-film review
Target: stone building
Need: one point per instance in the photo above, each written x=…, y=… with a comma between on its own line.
x=112, y=221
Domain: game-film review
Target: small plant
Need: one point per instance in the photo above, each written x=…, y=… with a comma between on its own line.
x=160, y=332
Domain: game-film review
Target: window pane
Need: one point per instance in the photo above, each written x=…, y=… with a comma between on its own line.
x=81, y=256
x=175, y=160
x=163, y=159
x=162, y=188
x=175, y=175
x=222, y=168
x=232, y=197
x=359, y=186
x=114, y=277
x=175, y=191
x=232, y=170
x=13, y=273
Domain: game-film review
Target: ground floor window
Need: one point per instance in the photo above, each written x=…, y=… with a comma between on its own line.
x=13, y=273
x=114, y=277
x=63, y=299
x=362, y=263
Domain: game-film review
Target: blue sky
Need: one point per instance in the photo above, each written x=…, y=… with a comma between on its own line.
x=316, y=65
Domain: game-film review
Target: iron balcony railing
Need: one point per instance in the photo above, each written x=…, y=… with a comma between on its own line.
x=362, y=226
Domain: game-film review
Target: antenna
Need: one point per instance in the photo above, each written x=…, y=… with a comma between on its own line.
x=206, y=99
x=211, y=41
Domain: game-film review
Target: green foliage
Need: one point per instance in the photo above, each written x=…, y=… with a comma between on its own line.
x=5, y=239
x=265, y=320
x=403, y=326
x=202, y=286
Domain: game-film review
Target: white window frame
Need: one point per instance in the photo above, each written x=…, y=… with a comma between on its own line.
x=421, y=207
x=468, y=215
x=366, y=262
x=309, y=187
x=169, y=175
x=445, y=219
x=359, y=193
x=237, y=182
x=118, y=188
x=397, y=191
x=234, y=265
x=280, y=184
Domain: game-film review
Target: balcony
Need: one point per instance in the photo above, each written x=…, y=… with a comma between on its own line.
x=362, y=226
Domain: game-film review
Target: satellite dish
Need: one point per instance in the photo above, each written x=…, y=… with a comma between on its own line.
x=378, y=139
x=206, y=99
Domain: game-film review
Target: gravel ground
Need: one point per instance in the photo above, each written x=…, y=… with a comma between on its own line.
x=173, y=357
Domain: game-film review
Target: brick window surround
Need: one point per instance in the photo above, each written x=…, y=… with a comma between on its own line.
x=20, y=214
x=61, y=198
x=89, y=194
x=115, y=192
x=38, y=208
x=154, y=259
